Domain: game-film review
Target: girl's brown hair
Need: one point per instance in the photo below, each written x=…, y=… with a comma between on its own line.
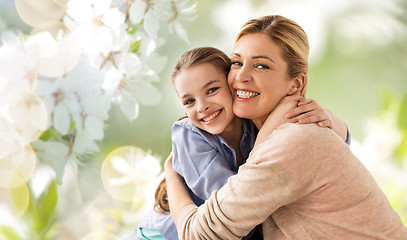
x=289, y=35
x=190, y=59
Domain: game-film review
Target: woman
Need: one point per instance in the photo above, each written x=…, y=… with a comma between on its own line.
x=211, y=143
x=300, y=181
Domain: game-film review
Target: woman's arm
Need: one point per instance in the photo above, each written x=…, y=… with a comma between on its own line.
x=310, y=111
x=278, y=172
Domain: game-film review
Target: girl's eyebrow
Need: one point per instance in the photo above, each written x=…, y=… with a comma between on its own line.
x=255, y=57
x=209, y=83
x=203, y=87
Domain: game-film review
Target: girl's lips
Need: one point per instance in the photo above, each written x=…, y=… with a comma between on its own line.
x=242, y=94
x=209, y=118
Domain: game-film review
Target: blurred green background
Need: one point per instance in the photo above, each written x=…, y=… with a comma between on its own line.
x=357, y=50
x=356, y=53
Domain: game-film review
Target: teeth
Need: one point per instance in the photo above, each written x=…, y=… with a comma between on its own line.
x=211, y=116
x=246, y=94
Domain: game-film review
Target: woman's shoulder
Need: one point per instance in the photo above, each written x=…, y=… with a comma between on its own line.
x=302, y=134
x=302, y=131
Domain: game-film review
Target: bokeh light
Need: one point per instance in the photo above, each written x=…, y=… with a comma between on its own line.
x=16, y=155
x=127, y=172
x=27, y=112
x=13, y=192
x=36, y=13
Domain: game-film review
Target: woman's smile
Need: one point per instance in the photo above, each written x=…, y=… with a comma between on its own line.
x=245, y=94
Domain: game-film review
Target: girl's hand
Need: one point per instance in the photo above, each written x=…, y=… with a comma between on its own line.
x=168, y=165
x=310, y=111
x=178, y=196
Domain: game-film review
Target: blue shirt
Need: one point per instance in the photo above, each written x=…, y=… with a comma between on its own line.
x=205, y=161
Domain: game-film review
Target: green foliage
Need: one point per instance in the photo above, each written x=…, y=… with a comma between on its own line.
x=398, y=110
x=51, y=132
x=401, y=151
x=40, y=212
x=9, y=233
x=132, y=30
x=135, y=46
x=46, y=206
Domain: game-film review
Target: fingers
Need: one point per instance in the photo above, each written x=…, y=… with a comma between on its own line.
x=325, y=123
x=309, y=117
x=305, y=101
x=299, y=110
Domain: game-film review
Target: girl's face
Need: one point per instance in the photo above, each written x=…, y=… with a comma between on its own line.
x=206, y=97
x=258, y=77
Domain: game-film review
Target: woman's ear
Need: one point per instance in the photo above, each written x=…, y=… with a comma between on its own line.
x=299, y=82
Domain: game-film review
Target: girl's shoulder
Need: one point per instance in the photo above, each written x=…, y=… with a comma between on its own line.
x=184, y=130
x=186, y=124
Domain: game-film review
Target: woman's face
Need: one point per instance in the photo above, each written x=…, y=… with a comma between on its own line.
x=206, y=97
x=258, y=77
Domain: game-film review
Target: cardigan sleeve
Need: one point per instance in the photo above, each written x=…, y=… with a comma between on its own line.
x=278, y=172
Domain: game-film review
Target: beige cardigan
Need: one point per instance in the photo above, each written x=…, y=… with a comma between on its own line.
x=303, y=182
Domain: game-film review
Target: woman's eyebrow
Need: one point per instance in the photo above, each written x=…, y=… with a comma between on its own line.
x=265, y=57
x=255, y=57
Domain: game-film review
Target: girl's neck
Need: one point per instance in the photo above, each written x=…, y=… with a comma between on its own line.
x=259, y=122
x=233, y=132
x=232, y=136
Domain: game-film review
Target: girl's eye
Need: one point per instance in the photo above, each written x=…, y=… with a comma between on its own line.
x=189, y=101
x=261, y=66
x=212, y=90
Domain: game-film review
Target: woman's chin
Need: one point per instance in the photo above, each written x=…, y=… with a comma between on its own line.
x=244, y=113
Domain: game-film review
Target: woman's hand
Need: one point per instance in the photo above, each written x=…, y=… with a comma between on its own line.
x=178, y=196
x=310, y=111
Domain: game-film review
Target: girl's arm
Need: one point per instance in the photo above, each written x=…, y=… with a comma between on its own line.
x=310, y=111
x=293, y=109
x=277, y=117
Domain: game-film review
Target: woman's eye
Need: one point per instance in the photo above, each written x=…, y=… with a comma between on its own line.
x=212, y=90
x=236, y=63
x=189, y=101
x=261, y=66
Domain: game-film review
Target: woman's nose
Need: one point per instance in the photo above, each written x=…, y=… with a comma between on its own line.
x=243, y=74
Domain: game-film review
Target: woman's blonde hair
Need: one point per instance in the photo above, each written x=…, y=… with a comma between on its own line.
x=289, y=35
x=189, y=59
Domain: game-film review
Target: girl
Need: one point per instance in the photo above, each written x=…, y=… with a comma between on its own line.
x=210, y=144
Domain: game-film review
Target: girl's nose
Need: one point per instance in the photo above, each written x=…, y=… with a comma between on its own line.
x=203, y=106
